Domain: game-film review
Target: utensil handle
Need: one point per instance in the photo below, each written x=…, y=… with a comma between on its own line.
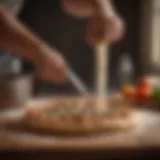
x=101, y=76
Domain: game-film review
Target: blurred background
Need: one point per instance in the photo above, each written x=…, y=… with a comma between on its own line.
x=137, y=54
x=138, y=51
x=67, y=34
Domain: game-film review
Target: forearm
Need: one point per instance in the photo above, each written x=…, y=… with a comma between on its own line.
x=83, y=8
x=16, y=37
x=104, y=7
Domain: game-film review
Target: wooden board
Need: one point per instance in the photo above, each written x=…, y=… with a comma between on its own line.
x=146, y=133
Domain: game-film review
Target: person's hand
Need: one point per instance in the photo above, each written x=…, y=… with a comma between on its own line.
x=51, y=67
x=101, y=29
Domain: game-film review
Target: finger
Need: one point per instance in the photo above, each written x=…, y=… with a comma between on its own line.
x=96, y=35
x=113, y=37
x=115, y=34
x=96, y=30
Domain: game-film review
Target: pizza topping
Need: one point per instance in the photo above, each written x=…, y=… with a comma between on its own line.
x=74, y=112
x=78, y=115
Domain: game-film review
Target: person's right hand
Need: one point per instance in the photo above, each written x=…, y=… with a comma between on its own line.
x=103, y=29
x=51, y=66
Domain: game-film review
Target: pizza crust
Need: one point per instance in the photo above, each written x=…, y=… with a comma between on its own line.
x=86, y=124
x=103, y=125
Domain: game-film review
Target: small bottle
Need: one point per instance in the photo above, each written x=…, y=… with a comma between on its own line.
x=126, y=69
x=9, y=64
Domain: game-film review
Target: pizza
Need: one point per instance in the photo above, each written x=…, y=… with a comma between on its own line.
x=80, y=116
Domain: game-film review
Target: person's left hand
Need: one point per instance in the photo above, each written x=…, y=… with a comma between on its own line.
x=105, y=30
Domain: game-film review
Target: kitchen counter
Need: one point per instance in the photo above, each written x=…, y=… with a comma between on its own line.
x=143, y=140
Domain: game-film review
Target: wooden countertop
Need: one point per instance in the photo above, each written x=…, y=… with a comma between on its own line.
x=145, y=134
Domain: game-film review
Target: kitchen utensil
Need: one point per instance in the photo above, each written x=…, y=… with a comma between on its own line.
x=101, y=74
x=77, y=83
x=15, y=89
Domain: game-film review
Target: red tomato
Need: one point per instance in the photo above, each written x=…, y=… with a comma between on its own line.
x=142, y=94
x=144, y=83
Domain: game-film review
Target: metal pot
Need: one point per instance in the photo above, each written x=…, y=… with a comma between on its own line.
x=15, y=89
